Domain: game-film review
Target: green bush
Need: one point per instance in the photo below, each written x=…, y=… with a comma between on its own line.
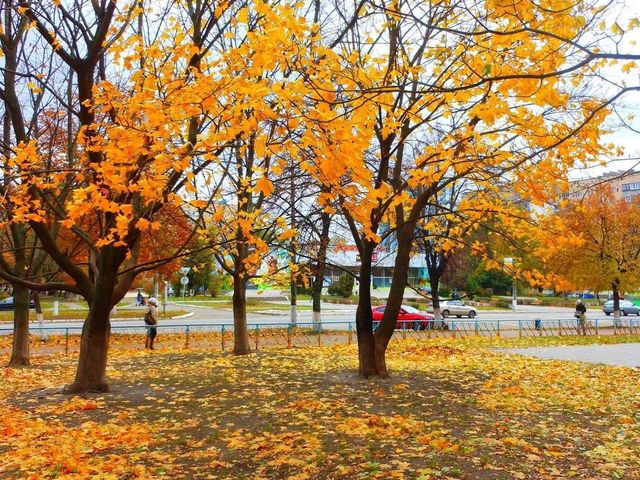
x=344, y=287
x=485, y=292
x=444, y=292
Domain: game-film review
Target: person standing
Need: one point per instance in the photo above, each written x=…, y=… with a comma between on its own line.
x=151, y=319
x=580, y=314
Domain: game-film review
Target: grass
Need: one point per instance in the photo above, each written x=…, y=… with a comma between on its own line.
x=452, y=409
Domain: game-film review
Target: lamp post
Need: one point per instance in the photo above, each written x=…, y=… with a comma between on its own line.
x=509, y=263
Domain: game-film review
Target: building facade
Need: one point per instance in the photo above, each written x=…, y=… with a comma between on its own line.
x=625, y=185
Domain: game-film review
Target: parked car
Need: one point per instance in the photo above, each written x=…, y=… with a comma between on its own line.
x=626, y=308
x=7, y=304
x=408, y=317
x=457, y=308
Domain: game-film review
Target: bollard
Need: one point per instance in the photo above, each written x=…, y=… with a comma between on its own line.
x=186, y=342
x=257, y=335
x=519, y=328
x=222, y=337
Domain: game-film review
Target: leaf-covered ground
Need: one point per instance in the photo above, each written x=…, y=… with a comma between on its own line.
x=452, y=409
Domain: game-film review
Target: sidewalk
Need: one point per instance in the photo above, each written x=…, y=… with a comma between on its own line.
x=623, y=354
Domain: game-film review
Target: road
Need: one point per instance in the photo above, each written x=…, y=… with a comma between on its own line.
x=338, y=316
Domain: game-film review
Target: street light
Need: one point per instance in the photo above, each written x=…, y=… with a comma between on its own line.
x=509, y=263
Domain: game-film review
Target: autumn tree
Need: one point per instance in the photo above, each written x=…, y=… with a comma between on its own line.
x=140, y=147
x=481, y=92
x=593, y=243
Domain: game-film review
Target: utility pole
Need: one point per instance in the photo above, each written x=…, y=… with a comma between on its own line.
x=292, y=252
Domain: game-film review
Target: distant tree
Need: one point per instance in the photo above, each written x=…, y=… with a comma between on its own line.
x=594, y=244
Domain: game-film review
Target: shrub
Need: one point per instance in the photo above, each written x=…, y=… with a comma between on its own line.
x=344, y=287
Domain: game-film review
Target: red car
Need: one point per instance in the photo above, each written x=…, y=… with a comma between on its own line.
x=408, y=317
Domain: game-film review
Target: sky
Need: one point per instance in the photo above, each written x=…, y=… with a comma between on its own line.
x=621, y=136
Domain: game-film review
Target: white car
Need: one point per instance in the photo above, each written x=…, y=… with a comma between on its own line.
x=457, y=308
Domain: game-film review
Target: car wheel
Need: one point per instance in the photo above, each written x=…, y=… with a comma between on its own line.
x=445, y=313
x=638, y=312
x=472, y=314
x=624, y=313
x=607, y=313
x=375, y=326
x=417, y=326
x=459, y=316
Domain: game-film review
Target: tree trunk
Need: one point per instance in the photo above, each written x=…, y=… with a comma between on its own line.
x=318, y=279
x=364, y=318
x=434, y=281
x=94, y=346
x=20, y=351
x=394, y=301
x=240, y=331
x=616, y=304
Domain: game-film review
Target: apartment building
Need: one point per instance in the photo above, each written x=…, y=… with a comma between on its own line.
x=625, y=184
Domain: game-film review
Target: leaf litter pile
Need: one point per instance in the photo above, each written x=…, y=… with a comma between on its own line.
x=452, y=409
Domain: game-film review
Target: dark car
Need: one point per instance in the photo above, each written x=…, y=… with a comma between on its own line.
x=7, y=304
x=626, y=308
x=408, y=317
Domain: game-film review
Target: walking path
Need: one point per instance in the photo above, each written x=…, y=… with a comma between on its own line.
x=624, y=354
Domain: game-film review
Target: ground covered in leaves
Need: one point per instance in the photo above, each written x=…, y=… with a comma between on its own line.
x=452, y=409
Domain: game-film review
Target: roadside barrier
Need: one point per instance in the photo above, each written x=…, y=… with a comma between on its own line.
x=220, y=337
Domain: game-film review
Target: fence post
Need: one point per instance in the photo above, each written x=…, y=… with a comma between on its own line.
x=559, y=328
x=66, y=340
x=257, y=335
x=289, y=336
x=453, y=328
x=186, y=342
x=350, y=333
x=404, y=330
x=597, y=327
x=319, y=338
x=519, y=328
x=477, y=329
x=498, y=332
x=222, y=337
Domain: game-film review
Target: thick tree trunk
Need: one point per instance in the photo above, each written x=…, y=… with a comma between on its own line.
x=364, y=318
x=20, y=351
x=94, y=346
x=394, y=301
x=240, y=331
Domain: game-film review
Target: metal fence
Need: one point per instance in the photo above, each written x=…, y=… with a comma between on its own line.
x=220, y=337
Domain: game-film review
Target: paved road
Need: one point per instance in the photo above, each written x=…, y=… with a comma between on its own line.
x=625, y=354
x=338, y=315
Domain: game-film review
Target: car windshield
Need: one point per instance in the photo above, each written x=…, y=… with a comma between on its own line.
x=7, y=300
x=409, y=309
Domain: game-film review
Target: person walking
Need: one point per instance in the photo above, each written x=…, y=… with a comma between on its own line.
x=151, y=319
x=581, y=315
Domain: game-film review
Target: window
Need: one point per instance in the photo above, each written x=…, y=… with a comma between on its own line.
x=630, y=186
